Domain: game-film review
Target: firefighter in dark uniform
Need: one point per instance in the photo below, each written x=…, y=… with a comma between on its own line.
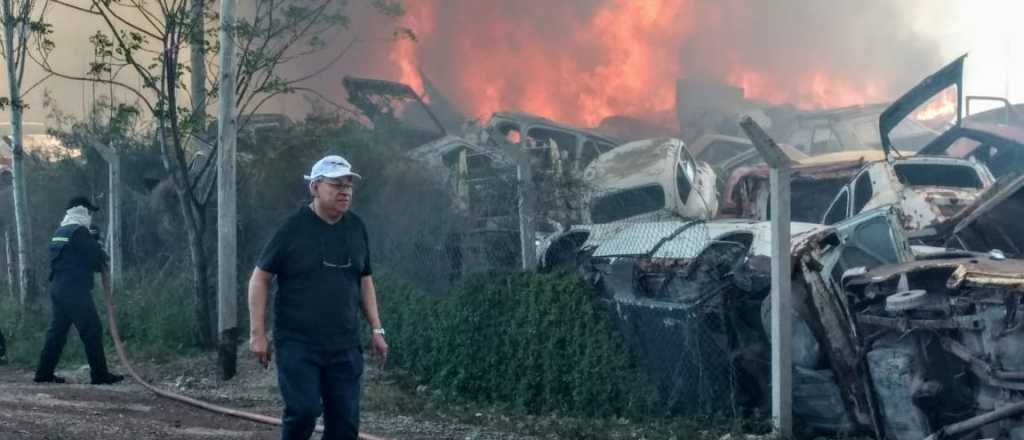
x=75, y=257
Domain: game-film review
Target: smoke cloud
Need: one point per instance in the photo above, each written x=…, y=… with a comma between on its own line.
x=580, y=61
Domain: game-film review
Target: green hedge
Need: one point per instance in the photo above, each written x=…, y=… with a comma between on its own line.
x=538, y=342
x=155, y=317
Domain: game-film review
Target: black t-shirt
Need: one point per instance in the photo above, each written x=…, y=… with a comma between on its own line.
x=319, y=267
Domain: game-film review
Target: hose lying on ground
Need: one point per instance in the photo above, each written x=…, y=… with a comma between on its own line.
x=119, y=346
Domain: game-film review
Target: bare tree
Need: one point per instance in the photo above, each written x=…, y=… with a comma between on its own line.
x=143, y=42
x=20, y=25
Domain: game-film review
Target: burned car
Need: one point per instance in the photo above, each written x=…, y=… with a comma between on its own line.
x=927, y=189
x=815, y=181
x=690, y=297
x=883, y=336
x=821, y=133
x=853, y=128
x=926, y=326
x=648, y=180
x=479, y=167
x=991, y=223
x=891, y=339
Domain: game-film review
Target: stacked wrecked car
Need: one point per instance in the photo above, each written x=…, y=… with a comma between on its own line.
x=906, y=284
x=907, y=294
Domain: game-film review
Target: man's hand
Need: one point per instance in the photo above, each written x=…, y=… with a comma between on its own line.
x=379, y=348
x=258, y=346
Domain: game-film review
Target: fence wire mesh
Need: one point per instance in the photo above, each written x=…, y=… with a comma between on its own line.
x=676, y=316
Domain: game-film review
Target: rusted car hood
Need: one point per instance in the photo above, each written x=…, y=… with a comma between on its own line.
x=964, y=272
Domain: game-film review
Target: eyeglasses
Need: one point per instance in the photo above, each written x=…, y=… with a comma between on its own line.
x=339, y=185
x=323, y=257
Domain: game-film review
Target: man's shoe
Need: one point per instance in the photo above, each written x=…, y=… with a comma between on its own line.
x=49, y=379
x=108, y=379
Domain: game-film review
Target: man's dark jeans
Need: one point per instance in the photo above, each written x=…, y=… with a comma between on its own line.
x=77, y=310
x=315, y=380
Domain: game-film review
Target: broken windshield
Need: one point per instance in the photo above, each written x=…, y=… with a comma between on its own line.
x=932, y=174
x=628, y=203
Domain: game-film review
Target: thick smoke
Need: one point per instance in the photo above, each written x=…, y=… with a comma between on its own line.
x=581, y=60
x=862, y=43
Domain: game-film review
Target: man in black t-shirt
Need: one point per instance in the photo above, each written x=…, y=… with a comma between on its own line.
x=321, y=260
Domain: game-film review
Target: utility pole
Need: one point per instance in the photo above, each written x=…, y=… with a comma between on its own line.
x=781, y=294
x=227, y=208
x=114, y=205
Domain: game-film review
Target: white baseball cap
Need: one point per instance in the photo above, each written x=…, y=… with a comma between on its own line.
x=331, y=167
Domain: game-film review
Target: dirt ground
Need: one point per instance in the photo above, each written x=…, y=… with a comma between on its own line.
x=78, y=410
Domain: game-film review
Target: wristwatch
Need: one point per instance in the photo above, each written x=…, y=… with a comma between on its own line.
x=379, y=331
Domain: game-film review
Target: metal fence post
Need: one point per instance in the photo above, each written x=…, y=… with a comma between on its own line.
x=113, y=160
x=781, y=295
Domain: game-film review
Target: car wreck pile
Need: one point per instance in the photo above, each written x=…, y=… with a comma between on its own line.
x=907, y=285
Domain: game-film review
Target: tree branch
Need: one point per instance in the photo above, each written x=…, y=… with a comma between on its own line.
x=275, y=59
x=153, y=20
x=332, y=62
x=127, y=87
x=137, y=28
x=77, y=8
x=147, y=78
x=37, y=83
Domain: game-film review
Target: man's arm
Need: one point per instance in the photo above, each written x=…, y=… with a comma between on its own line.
x=91, y=249
x=259, y=288
x=369, y=304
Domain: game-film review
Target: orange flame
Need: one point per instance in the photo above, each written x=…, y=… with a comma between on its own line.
x=403, y=52
x=941, y=108
x=622, y=59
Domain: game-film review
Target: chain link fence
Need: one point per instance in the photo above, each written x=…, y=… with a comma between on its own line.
x=676, y=306
x=670, y=288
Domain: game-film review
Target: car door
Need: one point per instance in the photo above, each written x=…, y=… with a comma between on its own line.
x=839, y=210
x=868, y=240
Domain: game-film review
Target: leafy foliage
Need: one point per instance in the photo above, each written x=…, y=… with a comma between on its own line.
x=539, y=342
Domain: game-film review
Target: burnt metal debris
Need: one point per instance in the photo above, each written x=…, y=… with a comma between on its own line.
x=907, y=281
x=906, y=289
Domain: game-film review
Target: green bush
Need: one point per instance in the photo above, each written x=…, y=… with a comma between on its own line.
x=540, y=343
x=154, y=314
x=24, y=332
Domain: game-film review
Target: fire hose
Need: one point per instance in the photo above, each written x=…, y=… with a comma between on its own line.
x=121, y=354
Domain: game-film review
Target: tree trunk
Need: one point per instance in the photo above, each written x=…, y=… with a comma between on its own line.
x=22, y=227
x=201, y=286
x=191, y=210
x=9, y=271
x=21, y=218
x=197, y=52
x=194, y=226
